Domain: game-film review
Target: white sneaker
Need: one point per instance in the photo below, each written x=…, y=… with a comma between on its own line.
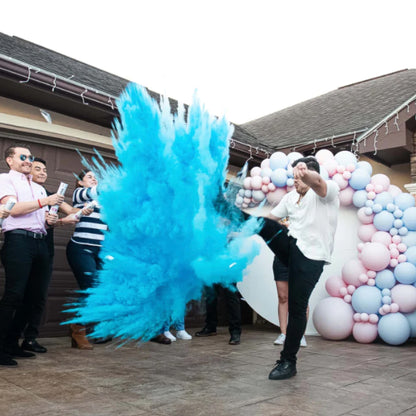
x=168, y=334
x=182, y=334
x=303, y=342
x=280, y=340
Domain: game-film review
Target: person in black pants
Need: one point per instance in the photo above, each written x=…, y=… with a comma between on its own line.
x=304, y=247
x=24, y=253
x=234, y=313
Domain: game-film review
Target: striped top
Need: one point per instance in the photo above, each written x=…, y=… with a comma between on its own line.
x=90, y=229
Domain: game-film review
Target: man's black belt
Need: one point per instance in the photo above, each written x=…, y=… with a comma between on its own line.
x=36, y=236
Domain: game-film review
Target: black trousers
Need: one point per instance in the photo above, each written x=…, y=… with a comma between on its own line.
x=26, y=265
x=304, y=273
x=233, y=308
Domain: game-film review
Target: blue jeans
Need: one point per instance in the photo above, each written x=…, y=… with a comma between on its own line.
x=179, y=325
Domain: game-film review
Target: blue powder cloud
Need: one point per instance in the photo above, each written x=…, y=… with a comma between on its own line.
x=169, y=226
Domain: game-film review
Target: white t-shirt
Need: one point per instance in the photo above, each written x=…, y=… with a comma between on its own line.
x=313, y=221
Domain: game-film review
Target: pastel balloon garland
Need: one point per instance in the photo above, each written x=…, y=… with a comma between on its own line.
x=375, y=295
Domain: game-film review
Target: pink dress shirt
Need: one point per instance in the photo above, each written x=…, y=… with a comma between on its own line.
x=21, y=186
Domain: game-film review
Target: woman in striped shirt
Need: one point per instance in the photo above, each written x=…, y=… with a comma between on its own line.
x=84, y=247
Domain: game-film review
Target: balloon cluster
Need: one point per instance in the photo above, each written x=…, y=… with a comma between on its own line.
x=376, y=292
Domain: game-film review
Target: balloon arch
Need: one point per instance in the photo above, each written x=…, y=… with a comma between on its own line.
x=374, y=293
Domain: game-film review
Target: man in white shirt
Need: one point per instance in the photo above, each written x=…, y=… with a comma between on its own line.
x=305, y=247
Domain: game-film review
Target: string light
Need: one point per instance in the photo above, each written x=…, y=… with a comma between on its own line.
x=375, y=143
x=82, y=96
x=396, y=123
x=28, y=76
x=387, y=128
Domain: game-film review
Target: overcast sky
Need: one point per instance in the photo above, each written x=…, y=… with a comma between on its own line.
x=246, y=58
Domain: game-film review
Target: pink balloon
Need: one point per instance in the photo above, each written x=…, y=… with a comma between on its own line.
x=373, y=318
x=364, y=332
x=405, y=297
x=393, y=263
x=364, y=218
x=363, y=278
x=371, y=195
x=369, y=187
x=274, y=197
x=265, y=189
x=255, y=171
x=351, y=272
x=272, y=187
x=394, y=253
x=401, y=258
x=360, y=246
x=348, y=298
x=265, y=163
x=343, y=291
x=266, y=180
x=266, y=173
x=351, y=289
x=340, y=181
x=330, y=166
x=386, y=308
x=378, y=189
x=401, y=247
x=394, y=307
x=256, y=182
x=333, y=285
x=381, y=179
x=371, y=274
x=366, y=232
x=357, y=317
x=364, y=317
x=350, y=168
x=371, y=282
x=346, y=196
x=323, y=155
x=333, y=318
x=347, y=175
x=247, y=183
x=382, y=237
x=396, y=239
x=394, y=190
x=340, y=169
x=375, y=256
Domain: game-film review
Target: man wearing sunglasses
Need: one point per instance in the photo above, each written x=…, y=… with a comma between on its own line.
x=24, y=253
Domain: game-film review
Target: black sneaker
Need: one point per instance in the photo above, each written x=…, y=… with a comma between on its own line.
x=283, y=369
x=235, y=339
x=206, y=332
x=17, y=352
x=6, y=360
x=33, y=345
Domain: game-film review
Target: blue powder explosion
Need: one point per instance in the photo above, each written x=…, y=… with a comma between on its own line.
x=169, y=223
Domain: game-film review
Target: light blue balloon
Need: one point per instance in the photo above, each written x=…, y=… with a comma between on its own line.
x=385, y=280
x=394, y=328
x=386, y=292
x=366, y=299
x=377, y=208
x=290, y=182
x=398, y=213
x=346, y=158
x=410, y=254
x=409, y=218
x=398, y=224
x=383, y=198
x=248, y=193
x=279, y=177
x=394, y=231
x=323, y=172
x=383, y=221
x=241, y=192
x=405, y=273
x=365, y=165
x=369, y=203
x=404, y=201
x=411, y=318
x=391, y=208
x=409, y=239
x=360, y=178
x=403, y=231
x=368, y=210
x=278, y=160
x=359, y=198
x=386, y=300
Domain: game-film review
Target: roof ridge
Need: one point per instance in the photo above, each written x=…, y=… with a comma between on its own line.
x=372, y=79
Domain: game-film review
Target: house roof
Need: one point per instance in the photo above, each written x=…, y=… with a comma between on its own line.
x=72, y=71
x=351, y=109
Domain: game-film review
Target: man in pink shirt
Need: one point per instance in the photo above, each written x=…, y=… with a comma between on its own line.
x=24, y=253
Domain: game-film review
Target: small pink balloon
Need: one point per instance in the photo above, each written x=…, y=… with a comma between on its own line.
x=402, y=258
x=371, y=274
x=351, y=289
x=247, y=200
x=340, y=169
x=369, y=187
x=382, y=180
x=255, y=171
x=265, y=163
x=382, y=237
x=350, y=168
x=392, y=245
x=360, y=246
x=271, y=186
x=371, y=282
x=381, y=311
x=265, y=189
x=396, y=239
x=357, y=317
x=333, y=285
x=256, y=182
x=247, y=183
x=340, y=181
x=266, y=180
x=365, y=233
x=347, y=175
x=343, y=291
x=378, y=189
x=373, y=318
x=394, y=253
x=401, y=247
x=346, y=196
x=394, y=307
x=393, y=263
x=364, y=332
x=363, y=278
x=371, y=195
x=348, y=298
x=364, y=317
x=386, y=308
x=351, y=270
x=244, y=205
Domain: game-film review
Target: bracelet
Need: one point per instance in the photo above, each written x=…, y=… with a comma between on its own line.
x=40, y=205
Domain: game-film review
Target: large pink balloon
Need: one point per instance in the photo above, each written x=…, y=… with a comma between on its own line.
x=375, y=256
x=364, y=332
x=340, y=181
x=333, y=318
x=381, y=179
x=382, y=237
x=405, y=297
x=265, y=163
x=255, y=171
x=256, y=182
x=351, y=272
x=346, y=196
x=274, y=197
x=323, y=155
x=333, y=285
x=366, y=232
x=394, y=190
x=363, y=217
x=330, y=166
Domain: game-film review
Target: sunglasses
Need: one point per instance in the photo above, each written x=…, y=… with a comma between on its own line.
x=31, y=158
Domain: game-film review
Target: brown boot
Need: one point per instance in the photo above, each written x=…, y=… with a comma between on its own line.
x=79, y=339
